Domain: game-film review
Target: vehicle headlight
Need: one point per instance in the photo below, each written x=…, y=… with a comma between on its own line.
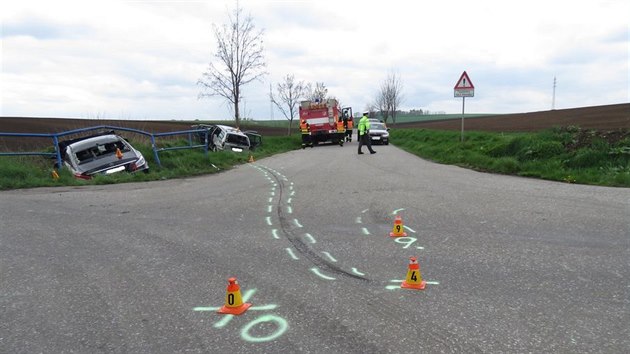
x=141, y=162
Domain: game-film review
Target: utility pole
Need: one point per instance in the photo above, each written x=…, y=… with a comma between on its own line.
x=553, y=98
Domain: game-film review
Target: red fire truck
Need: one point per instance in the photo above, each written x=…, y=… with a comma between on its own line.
x=325, y=121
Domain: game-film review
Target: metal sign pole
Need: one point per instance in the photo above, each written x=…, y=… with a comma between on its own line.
x=463, y=104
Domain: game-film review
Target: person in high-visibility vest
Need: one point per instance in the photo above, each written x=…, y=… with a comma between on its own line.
x=347, y=121
x=341, y=130
x=305, y=128
x=364, y=134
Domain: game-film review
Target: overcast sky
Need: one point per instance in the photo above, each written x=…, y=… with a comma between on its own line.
x=142, y=59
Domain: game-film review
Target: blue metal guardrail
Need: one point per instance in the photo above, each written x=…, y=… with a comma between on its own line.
x=57, y=154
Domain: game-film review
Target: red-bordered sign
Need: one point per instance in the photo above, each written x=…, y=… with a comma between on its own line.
x=464, y=87
x=464, y=82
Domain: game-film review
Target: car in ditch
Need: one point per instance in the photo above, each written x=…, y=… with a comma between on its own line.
x=255, y=139
x=379, y=133
x=223, y=137
x=104, y=154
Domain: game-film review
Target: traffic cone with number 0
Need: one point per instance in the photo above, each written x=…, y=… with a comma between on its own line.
x=233, y=301
x=398, y=230
x=414, y=278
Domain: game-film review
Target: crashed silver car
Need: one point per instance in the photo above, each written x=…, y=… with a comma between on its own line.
x=101, y=154
x=223, y=137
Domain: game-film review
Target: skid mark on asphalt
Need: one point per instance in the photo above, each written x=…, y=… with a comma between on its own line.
x=280, y=187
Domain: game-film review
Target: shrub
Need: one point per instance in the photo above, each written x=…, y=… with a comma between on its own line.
x=586, y=157
x=506, y=165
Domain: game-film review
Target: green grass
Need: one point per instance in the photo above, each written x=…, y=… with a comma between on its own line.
x=568, y=155
x=554, y=154
x=36, y=171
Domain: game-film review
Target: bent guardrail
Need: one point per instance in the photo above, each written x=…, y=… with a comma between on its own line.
x=152, y=136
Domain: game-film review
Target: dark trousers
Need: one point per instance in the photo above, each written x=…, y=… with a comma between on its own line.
x=306, y=140
x=365, y=140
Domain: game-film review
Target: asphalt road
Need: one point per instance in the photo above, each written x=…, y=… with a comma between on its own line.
x=512, y=264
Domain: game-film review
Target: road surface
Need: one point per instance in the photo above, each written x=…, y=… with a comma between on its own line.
x=511, y=264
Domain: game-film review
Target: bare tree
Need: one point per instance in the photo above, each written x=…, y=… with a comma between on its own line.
x=289, y=95
x=395, y=96
x=238, y=61
x=319, y=92
x=389, y=97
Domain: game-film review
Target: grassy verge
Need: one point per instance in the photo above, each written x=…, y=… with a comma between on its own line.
x=570, y=154
x=33, y=171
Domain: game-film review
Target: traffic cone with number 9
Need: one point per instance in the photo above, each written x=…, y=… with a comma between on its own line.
x=398, y=230
x=414, y=278
x=233, y=301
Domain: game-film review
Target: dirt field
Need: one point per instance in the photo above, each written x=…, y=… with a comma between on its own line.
x=610, y=117
x=602, y=118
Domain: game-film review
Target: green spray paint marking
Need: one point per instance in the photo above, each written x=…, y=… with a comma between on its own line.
x=356, y=271
x=365, y=231
x=269, y=208
x=395, y=287
x=310, y=237
x=268, y=218
x=280, y=322
x=407, y=241
x=297, y=223
x=358, y=220
x=410, y=229
x=290, y=251
x=397, y=211
x=319, y=274
x=274, y=232
x=289, y=210
x=332, y=259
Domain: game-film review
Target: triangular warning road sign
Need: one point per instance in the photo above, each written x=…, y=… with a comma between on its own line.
x=464, y=82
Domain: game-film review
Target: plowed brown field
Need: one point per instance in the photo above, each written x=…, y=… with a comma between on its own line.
x=610, y=117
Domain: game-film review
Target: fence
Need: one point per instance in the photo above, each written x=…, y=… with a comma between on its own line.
x=57, y=154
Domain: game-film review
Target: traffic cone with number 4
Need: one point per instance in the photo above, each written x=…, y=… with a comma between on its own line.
x=414, y=278
x=398, y=230
x=233, y=301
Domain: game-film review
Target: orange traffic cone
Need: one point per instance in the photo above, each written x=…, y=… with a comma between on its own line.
x=233, y=301
x=251, y=158
x=119, y=153
x=398, y=230
x=54, y=174
x=414, y=278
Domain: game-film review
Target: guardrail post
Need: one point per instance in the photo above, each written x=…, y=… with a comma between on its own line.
x=155, y=152
x=57, y=152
